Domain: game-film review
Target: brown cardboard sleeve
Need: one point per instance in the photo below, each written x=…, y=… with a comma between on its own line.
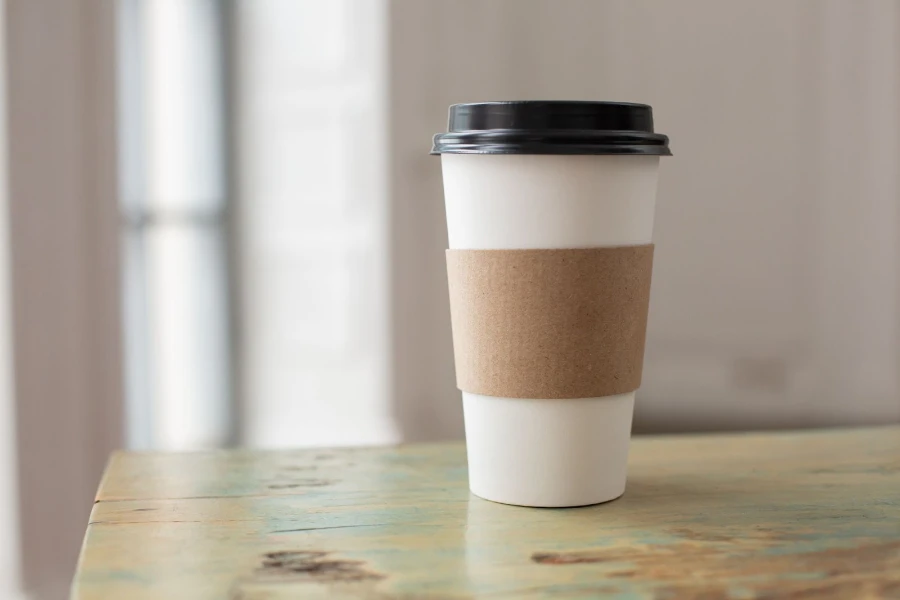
x=566, y=323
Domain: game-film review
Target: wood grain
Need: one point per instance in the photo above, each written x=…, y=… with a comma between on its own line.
x=777, y=515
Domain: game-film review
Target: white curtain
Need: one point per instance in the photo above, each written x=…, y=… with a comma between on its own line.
x=313, y=223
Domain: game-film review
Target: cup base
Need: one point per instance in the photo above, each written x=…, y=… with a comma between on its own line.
x=496, y=501
x=548, y=453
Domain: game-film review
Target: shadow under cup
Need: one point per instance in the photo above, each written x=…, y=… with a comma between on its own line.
x=544, y=176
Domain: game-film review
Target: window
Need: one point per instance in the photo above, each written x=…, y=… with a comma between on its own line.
x=255, y=221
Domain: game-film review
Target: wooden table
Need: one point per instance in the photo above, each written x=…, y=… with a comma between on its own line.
x=779, y=515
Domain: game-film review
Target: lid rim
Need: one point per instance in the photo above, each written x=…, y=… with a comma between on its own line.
x=580, y=103
x=598, y=150
x=551, y=127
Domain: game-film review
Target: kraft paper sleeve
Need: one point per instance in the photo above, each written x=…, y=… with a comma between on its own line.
x=568, y=323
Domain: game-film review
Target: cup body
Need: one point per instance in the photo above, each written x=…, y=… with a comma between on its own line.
x=534, y=451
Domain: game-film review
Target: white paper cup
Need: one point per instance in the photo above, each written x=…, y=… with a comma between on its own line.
x=533, y=451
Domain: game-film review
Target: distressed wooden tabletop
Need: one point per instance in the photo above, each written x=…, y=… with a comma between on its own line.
x=778, y=515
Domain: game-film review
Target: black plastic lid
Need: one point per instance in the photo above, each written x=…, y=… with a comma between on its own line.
x=551, y=127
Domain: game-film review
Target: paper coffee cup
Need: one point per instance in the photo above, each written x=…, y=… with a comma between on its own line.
x=550, y=211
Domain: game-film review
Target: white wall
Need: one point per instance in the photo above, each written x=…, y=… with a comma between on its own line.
x=775, y=297
x=775, y=294
x=64, y=235
x=10, y=574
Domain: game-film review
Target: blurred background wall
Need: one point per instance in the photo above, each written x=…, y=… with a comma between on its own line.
x=10, y=567
x=775, y=294
x=225, y=228
x=64, y=273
